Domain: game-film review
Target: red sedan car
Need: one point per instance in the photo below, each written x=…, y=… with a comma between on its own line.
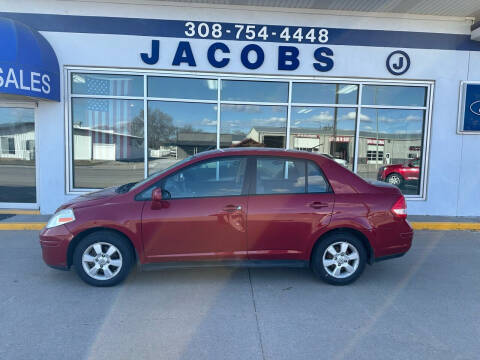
x=241, y=207
x=398, y=174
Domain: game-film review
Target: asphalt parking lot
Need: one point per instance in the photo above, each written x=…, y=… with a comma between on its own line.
x=425, y=305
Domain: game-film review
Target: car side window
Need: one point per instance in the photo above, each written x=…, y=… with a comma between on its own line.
x=316, y=180
x=216, y=177
x=280, y=176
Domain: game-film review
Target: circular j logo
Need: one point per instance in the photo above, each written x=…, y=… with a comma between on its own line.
x=398, y=62
x=475, y=107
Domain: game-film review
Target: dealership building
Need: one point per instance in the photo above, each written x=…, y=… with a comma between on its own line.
x=101, y=93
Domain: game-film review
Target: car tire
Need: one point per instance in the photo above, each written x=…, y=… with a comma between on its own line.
x=103, y=258
x=395, y=179
x=339, y=258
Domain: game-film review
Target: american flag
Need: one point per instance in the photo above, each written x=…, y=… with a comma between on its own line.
x=108, y=118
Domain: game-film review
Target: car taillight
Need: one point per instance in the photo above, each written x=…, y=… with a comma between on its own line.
x=399, y=209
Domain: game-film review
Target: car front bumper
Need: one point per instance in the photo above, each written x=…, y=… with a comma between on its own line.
x=54, y=243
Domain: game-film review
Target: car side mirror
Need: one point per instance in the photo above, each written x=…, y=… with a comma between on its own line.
x=157, y=195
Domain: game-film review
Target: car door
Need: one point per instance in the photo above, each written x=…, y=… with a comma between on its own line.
x=202, y=214
x=291, y=204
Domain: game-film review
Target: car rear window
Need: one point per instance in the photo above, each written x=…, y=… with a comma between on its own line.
x=289, y=176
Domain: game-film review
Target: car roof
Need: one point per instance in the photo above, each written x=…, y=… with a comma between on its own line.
x=255, y=151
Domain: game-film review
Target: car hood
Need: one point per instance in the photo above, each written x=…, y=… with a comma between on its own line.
x=91, y=198
x=394, y=166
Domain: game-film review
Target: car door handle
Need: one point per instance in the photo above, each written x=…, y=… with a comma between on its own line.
x=318, y=205
x=232, y=208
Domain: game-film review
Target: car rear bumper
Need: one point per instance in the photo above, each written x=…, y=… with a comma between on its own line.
x=54, y=243
x=403, y=245
x=394, y=242
x=388, y=257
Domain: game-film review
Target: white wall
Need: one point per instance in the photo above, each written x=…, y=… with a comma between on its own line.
x=83, y=146
x=468, y=186
x=20, y=141
x=453, y=169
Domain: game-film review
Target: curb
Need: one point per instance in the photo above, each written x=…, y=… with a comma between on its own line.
x=438, y=226
x=22, y=226
x=19, y=212
x=445, y=226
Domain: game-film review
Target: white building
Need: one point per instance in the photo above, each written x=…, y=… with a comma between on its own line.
x=114, y=90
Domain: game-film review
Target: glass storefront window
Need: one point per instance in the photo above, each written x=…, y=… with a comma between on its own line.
x=253, y=125
x=254, y=91
x=188, y=115
x=107, y=142
x=322, y=130
x=390, y=147
x=177, y=130
x=316, y=93
x=394, y=95
x=109, y=85
x=182, y=88
x=17, y=155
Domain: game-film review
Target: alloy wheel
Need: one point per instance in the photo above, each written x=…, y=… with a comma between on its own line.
x=341, y=259
x=394, y=180
x=102, y=261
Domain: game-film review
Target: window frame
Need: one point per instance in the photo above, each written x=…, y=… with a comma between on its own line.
x=428, y=84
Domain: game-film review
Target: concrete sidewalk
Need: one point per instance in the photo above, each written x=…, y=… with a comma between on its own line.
x=32, y=220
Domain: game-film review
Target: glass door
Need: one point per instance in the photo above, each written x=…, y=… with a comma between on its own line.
x=17, y=156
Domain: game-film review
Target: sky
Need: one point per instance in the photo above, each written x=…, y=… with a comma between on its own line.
x=242, y=117
x=12, y=115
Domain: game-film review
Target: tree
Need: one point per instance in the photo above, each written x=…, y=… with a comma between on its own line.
x=161, y=130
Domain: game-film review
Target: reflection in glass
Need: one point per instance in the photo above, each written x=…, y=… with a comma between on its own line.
x=394, y=95
x=315, y=93
x=253, y=125
x=280, y=176
x=390, y=147
x=17, y=155
x=103, y=84
x=255, y=91
x=324, y=130
x=177, y=130
x=107, y=142
x=182, y=88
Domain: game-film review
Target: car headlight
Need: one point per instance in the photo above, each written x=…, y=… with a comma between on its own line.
x=62, y=217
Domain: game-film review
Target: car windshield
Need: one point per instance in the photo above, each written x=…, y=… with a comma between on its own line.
x=412, y=162
x=155, y=174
